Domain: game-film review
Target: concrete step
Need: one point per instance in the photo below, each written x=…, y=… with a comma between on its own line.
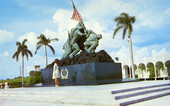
x=99, y=95
x=138, y=88
x=141, y=98
x=141, y=93
x=144, y=99
x=94, y=94
x=136, y=91
x=61, y=97
x=93, y=97
x=65, y=100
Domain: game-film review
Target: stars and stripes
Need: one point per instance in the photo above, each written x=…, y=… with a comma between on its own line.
x=76, y=16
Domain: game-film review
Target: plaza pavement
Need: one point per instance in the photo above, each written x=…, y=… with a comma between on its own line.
x=99, y=95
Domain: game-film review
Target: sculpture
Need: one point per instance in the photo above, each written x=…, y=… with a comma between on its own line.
x=92, y=41
x=80, y=39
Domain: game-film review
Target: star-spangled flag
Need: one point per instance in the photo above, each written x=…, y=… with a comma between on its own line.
x=76, y=16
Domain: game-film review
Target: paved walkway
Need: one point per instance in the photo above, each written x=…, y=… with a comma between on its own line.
x=80, y=91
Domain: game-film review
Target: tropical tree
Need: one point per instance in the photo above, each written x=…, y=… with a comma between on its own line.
x=45, y=41
x=22, y=48
x=125, y=21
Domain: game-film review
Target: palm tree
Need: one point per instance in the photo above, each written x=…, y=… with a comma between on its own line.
x=125, y=21
x=22, y=48
x=44, y=41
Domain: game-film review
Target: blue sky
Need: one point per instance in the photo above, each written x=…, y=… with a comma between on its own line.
x=20, y=19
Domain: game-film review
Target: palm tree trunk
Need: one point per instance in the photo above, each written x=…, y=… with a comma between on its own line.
x=22, y=65
x=46, y=56
x=131, y=56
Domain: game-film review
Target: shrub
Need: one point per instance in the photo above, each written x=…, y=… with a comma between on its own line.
x=32, y=73
x=136, y=76
x=152, y=73
x=35, y=77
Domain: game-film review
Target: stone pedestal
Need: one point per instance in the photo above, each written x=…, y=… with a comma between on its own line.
x=85, y=74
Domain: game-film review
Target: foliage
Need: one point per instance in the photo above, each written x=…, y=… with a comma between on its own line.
x=32, y=73
x=160, y=66
x=35, y=77
x=124, y=21
x=45, y=41
x=17, y=82
x=14, y=83
x=117, y=58
x=136, y=76
x=151, y=70
x=142, y=68
x=168, y=70
x=23, y=49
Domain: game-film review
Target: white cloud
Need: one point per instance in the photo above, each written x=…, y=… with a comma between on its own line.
x=95, y=26
x=147, y=51
x=146, y=15
x=48, y=33
x=5, y=54
x=162, y=51
x=141, y=52
x=63, y=19
x=6, y=36
x=122, y=53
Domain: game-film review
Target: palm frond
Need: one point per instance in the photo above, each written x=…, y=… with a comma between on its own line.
x=116, y=30
x=38, y=47
x=130, y=29
x=51, y=49
x=29, y=52
x=54, y=39
x=40, y=43
x=124, y=32
x=25, y=53
x=121, y=21
x=124, y=21
x=41, y=36
x=125, y=15
x=18, y=43
x=132, y=19
x=25, y=40
x=25, y=47
x=16, y=54
x=116, y=19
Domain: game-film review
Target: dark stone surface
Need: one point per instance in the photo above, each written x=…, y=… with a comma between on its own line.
x=47, y=77
x=84, y=57
x=86, y=74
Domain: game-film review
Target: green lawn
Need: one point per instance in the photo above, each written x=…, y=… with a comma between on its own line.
x=13, y=83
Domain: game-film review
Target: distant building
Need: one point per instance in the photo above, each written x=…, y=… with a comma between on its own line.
x=160, y=65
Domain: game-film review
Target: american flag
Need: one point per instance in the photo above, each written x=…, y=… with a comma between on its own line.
x=76, y=16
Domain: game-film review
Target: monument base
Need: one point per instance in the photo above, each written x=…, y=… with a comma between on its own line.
x=85, y=74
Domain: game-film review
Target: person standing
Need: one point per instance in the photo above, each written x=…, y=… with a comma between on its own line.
x=56, y=74
x=6, y=85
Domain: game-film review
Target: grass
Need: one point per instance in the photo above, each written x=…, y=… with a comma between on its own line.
x=17, y=82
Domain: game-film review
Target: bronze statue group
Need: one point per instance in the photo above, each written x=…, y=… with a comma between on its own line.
x=79, y=38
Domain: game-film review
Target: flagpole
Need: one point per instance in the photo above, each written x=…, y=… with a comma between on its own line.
x=73, y=4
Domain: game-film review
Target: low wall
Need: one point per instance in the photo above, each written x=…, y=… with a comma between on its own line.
x=85, y=74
